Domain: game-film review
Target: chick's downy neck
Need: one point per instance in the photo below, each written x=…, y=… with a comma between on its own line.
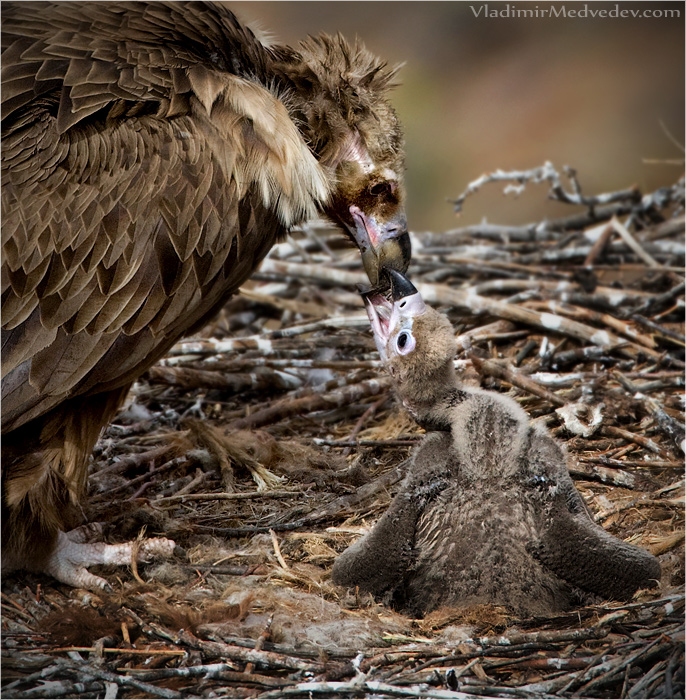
x=429, y=397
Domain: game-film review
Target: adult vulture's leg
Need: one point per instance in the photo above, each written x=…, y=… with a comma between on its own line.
x=45, y=465
x=69, y=558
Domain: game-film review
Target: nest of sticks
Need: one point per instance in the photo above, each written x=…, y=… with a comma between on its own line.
x=266, y=446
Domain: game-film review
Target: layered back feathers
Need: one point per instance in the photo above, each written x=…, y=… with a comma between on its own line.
x=151, y=157
x=101, y=55
x=134, y=59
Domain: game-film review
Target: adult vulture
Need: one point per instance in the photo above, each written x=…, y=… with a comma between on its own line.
x=152, y=153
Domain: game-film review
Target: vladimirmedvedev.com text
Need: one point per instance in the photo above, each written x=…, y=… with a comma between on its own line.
x=576, y=11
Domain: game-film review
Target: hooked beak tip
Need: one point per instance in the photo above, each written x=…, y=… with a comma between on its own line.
x=401, y=286
x=383, y=246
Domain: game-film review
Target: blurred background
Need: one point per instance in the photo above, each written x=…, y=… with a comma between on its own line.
x=603, y=95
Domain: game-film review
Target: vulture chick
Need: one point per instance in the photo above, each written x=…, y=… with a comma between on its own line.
x=488, y=512
x=152, y=153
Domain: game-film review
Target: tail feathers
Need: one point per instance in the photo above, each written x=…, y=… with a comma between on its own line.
x=36, y=505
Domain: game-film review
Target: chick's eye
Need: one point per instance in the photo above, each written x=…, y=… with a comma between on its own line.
x=404, y=343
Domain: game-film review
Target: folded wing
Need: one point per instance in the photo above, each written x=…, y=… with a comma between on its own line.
x=144, y=178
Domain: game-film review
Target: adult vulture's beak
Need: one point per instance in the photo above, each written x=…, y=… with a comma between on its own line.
x=405, y=295
x=384, y=246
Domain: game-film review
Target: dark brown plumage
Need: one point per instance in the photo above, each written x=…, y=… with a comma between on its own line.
x=152, y=153
x=488, y=512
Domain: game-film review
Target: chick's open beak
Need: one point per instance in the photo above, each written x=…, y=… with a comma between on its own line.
x=384, y=246
x=385, y=315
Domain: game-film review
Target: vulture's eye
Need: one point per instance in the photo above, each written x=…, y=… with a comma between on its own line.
x=379, y=189
x=404, y=343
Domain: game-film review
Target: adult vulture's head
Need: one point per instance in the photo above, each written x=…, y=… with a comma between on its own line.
x=339, y=96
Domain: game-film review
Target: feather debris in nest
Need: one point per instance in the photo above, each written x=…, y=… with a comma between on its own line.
x=562, y=314
x=232, y=451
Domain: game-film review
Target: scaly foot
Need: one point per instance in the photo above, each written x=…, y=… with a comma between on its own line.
x=72, y=555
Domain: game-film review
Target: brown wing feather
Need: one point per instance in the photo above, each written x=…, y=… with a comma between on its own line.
x=125, y=190
x=572, y=544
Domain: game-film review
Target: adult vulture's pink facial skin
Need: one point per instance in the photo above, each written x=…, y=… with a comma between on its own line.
x=357, y=136
x=375, y=221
